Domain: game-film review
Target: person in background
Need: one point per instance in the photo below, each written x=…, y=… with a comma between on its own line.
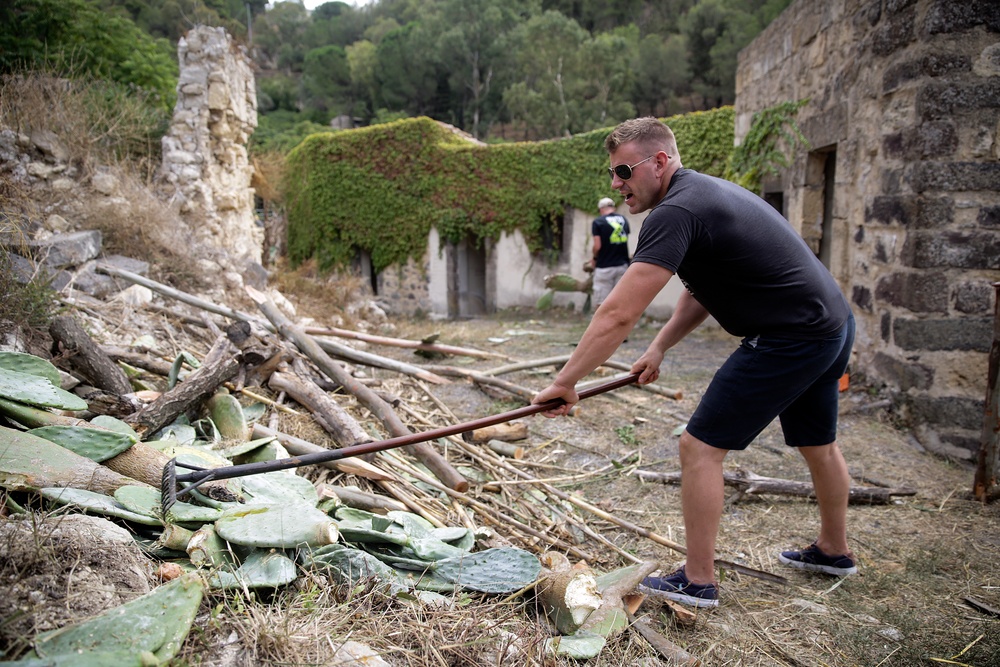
x=610, y=231
x=743, y=264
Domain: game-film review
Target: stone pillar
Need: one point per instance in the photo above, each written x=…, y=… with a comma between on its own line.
x=206, y=170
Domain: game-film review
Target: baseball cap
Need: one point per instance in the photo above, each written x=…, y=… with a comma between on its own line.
x=606, y=201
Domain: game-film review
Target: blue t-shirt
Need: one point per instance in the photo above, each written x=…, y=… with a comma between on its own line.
x=613, y=230
x=741, y=260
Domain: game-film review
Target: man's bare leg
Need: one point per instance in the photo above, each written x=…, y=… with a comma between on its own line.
x=832, y=483
x=702, y=497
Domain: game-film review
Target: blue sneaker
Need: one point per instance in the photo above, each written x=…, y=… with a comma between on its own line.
x=677, y=587
x=814, y=560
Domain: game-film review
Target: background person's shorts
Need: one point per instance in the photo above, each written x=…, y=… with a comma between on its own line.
x=605, y=280
x=767, y=377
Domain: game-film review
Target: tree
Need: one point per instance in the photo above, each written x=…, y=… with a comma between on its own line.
x=406, y=70
x=471, y=47
x=75, y=37
x=546, y=51
x=607, y=78
x=326, y=81
x=279, y=36
x=362, y=60
x=662, y=74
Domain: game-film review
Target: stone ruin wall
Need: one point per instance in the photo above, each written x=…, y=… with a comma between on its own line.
x=206, y=170
x=908, y=93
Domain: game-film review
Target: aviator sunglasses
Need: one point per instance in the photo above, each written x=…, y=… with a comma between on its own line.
x=624, y=171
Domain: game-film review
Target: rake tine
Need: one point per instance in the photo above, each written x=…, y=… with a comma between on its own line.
x=168, y=486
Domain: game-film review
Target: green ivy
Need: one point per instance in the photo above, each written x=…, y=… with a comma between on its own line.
x=383, y=188
x=772, y=136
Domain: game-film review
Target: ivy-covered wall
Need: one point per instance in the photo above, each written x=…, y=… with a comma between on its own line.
x=381, y=189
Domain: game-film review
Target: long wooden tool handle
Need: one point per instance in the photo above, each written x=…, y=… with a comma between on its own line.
x=400, y=441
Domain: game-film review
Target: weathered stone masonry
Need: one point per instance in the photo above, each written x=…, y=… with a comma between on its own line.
x=206, y=170
x=899, y=192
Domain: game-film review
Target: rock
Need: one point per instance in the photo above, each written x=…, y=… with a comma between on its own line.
x=49, y=145
x=72, y=249
x=104, y=183
x=57, y=223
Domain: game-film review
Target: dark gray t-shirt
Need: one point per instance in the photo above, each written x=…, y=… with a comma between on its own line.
x=741, y=260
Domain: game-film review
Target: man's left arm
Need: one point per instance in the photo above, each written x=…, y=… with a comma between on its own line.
x=610, y=325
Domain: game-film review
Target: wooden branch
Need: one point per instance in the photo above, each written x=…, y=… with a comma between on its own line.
x=671, y=652
x=297, y=447
x=482, y=379
x=183, y=297
x=368, y=359
x=85, y=357
x=345, y=429
x=424, y=452
x=404, y=343
x=639, y=530
x=196, y=387
x=749, y=483
x=675, y=394
x=358, y=499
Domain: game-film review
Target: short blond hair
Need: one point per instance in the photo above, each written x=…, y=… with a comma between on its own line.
x=652, y=133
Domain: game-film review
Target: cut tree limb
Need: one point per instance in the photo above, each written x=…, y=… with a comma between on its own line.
x=196, y=387
x=86, y=358
x=382, y=411
x=671, y=652
x=749, y=483
x=298, y=446
x=403, y=343
x=334, y=419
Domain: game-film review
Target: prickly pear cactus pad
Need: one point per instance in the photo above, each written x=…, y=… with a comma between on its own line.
x=30, y=364
x=501, y=570
x=34, y=390
x=152, y=626
x=280, y=526
x=96, y=444
x=261, y=569
x=97, y=503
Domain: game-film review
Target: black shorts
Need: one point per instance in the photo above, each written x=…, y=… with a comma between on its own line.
x=767, y=377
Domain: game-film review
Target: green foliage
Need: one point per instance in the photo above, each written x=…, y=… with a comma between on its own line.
x=282, y=131
x=74, y=36
x=381, y=189
x=773, y=135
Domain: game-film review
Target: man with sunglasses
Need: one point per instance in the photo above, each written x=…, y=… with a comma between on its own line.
x=743, y=264
x=610, y=231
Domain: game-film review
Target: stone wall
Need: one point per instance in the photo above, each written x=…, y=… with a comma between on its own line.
x=903, y=121
x=205, y=170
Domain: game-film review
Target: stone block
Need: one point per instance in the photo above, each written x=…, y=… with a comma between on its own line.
x=910, y=211
x=989, y=216
x=952, y=249
x=903, y=374
x=969, y=334
x=944, y=99
x=72, y=249
x=932, y=139
x=919, y=292
x=955, y=176
x=862, y=297
x=136, y=266
x=890, y=209
x=930, y=65
x=951, y=16
x=950, y=411
x=974, y=297
x=895, y=31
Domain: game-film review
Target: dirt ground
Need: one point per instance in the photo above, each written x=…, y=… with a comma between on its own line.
x=920, y=558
